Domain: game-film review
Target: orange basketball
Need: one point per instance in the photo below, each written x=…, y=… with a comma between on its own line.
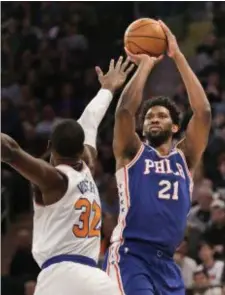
x=145, y=35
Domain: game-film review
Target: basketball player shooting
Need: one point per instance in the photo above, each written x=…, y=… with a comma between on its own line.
x=154, y=179
x=67, y=218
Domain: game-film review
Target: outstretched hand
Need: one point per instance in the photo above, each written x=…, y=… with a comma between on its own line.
x=116, y=75
x=145, y=58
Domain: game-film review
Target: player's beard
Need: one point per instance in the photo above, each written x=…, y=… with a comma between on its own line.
x=159, y=138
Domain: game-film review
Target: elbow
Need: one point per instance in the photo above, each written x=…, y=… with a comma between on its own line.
x=8, y=154
x=204, y=114
x=9, y=148
x=122, y=112
x=207, y=114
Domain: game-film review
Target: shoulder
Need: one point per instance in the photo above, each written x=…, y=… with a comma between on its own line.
x=219, y=264
x=66, y=169
x=191, y=263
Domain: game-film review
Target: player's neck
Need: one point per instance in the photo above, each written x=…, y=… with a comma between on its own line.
x=164, y=149
x=77, y=164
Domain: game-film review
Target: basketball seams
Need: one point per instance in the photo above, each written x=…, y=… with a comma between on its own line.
x=143, y=50
x=144, y=36
x=143, y=25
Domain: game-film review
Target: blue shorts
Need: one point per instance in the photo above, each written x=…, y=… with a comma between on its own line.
x=140, y=274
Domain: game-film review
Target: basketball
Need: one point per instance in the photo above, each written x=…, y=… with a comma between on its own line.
x=145, y=35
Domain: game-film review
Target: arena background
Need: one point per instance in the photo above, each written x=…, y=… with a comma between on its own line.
x=48, y=54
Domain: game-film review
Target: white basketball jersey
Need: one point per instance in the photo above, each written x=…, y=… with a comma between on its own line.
x=72, y=225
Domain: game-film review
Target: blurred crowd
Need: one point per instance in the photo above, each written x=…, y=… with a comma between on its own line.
x=49, y=50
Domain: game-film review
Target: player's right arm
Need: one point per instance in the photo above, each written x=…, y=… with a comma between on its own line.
x=51, y=182
x=126, y=142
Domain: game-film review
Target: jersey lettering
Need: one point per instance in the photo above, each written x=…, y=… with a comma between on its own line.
x=162, y=167
x=86, y=186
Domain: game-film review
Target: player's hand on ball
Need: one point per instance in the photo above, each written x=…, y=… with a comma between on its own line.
x=173, y=48
x=116, y=75
x=145, y=58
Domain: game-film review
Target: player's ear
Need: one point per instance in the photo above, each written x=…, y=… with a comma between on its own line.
x=175, y=128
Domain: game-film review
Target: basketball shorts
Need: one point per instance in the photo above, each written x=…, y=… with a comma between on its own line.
x=153, y=274
x=74, y=278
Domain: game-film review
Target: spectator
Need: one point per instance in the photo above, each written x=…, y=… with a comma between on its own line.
x=202, y=284
x=214, y=268
x=215, y=233
x=220, y=181
x=199, y=215
x=49, y=50
x=187, y=264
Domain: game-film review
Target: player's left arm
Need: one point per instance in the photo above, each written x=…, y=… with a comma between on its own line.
x=96, y=109
x=196, y=137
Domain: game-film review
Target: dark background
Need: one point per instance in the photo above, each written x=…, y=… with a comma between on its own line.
x=48, y=54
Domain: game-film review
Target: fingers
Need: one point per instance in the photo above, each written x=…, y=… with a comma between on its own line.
x=119, y=63
x=111, y=65
x=99, y=72
x=125, y=64
x=158, y=59
x=129, y=69
x=131, y=55
x=165, y=28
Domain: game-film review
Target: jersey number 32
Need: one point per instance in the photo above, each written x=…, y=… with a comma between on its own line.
x=89, y=219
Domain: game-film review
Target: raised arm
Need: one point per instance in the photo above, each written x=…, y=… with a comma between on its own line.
x=196, y=138
x=126, y=142
x=96, y=109
x=51, y=182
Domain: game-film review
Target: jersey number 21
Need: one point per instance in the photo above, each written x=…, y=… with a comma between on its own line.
x=169, y=190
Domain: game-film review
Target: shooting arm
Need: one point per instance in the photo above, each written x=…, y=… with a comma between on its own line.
x=198, y=128
x=126, y=142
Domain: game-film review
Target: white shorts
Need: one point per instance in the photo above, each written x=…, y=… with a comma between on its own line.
x=69, y=278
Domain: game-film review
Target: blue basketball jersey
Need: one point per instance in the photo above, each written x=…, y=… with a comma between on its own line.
x=155, y=198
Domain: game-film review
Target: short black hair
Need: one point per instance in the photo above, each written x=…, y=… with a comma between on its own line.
x=164, y=102
x=205, y=243
x=67, y=138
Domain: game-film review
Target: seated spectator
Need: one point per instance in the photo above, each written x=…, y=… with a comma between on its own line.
x=220, y=181
x=199, y=215
x=23, y=264
x=187, y=264
x=202, y=284
x=215, y=232
x=214, y=268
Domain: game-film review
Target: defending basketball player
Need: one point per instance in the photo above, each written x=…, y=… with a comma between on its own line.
x=67, y=217
x=154, y=180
